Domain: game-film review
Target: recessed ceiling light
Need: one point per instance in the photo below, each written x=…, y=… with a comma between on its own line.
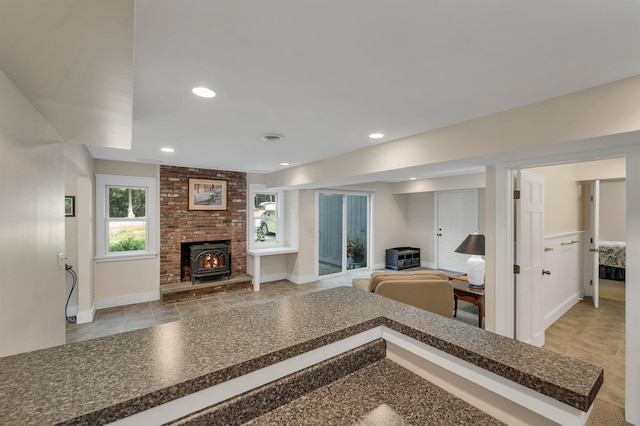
x=413, y=178
x=203, y=92
x=167, y=149
x=284, y=163
x=376, y=135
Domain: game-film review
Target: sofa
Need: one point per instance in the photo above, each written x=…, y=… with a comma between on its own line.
x=425, y=289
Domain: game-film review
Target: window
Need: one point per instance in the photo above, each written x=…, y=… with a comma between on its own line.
x=265, y=225
x=125, y=210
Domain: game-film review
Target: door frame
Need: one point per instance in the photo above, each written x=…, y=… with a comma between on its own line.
x=501, y=319
x=499, y=223
x=436, y=249
x=370, y=203
x=595, y=242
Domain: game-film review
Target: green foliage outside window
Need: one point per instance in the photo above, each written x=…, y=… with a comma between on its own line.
x=130, y=243
x=119, y=199
x=355, y=247
x=127, y=235
x=260, y=234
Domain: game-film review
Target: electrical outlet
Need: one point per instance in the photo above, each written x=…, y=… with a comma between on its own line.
x=60, y=261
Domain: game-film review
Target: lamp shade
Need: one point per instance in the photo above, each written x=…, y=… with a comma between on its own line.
x=473, y=244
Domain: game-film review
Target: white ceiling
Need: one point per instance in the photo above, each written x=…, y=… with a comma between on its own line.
x=324, y=74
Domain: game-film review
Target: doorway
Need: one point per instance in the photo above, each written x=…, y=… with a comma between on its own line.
x=582, y=339
x=343, y=232
x=456, y=217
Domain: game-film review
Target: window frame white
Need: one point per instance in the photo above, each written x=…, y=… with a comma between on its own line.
x=150, y=184
x=255, y=189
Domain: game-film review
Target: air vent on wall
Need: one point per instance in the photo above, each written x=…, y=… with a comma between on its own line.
x=272, y=137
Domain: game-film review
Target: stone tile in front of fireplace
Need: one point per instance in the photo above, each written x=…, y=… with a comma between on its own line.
x=141, y=315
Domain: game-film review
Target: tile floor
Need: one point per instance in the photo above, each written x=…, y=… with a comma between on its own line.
x=131, y=317
x=141, y=315
x=596, y=336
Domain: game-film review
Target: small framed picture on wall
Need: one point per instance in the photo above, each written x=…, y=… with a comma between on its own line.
x=69, y=206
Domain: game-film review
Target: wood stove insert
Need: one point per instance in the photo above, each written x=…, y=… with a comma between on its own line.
x=209, y=261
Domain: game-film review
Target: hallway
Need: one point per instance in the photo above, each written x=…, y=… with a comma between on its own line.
x=596, y=336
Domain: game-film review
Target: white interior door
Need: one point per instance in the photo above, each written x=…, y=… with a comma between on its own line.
x=595, y=242
x=528, y=256
x=456, y=217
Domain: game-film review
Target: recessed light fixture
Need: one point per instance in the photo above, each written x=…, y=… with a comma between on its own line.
x=376, y=135
x=203, y=92
x=413, y=178
x=284, y=163
x=167, y=149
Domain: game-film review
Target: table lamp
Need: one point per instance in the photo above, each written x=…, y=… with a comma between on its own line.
x=474, y=245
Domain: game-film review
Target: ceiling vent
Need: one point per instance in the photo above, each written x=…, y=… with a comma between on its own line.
x=272, y=137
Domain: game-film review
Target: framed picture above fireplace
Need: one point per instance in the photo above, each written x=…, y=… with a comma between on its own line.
x=207, y=194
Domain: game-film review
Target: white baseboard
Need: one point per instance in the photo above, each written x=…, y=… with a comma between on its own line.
x=127, y=299
x=84, y=317
x=562, y=309
x=429, y=265
x=381, y=265
x=72, y=310
x=297, y=279
x=266, y=278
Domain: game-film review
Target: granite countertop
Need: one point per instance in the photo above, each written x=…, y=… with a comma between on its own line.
x=105, y=379
x=380, y=394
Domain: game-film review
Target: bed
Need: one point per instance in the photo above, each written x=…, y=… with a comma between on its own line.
x=612, y=259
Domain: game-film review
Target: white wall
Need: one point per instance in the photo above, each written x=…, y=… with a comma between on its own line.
x=79, y=167
x=563, y=199
x=420, y=226
x=302, y=265
x=632, y=314
x=565, y=286
x=390, y=215
x=449, y=183
x=398, y=220
x=126, y=282
x=613, y=210
x=71, y=242
x=421, y=222
x=31, y=227
x=390, y=220
x=614, y=168
x=129, y=281
x=565, y=124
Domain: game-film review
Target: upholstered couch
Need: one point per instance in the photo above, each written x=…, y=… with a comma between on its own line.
x=425, y=289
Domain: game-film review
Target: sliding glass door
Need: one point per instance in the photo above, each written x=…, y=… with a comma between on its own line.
x=343, y=229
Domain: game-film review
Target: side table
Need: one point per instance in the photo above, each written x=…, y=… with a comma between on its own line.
x=475, y=296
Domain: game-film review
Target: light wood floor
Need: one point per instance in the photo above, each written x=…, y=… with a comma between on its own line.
x=596, y=336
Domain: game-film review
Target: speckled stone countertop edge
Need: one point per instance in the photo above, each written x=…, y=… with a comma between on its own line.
x=62, y=385
x=261, y=400
x=133, y=406
x=553, y=390
x=129, y=407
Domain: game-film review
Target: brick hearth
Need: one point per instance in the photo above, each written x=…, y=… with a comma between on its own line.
x=178, y=224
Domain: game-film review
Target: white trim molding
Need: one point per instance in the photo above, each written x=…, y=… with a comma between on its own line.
x=128, y=299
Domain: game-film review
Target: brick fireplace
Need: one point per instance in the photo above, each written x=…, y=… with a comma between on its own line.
x=179, y=225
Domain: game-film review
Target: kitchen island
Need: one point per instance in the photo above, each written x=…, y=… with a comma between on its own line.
x=170, y=371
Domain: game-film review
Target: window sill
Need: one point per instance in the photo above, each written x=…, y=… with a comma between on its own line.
x=125, y=258
x=271, y=250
